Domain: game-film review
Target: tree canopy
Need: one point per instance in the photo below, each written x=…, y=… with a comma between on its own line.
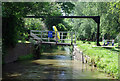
x=109, y=19
x=14, y=12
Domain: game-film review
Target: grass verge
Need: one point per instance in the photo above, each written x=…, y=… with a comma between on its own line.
x=106, y=60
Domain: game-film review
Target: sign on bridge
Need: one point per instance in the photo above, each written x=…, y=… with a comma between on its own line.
x=50, y=34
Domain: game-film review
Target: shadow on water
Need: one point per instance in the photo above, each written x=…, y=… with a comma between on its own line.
x=56, y=65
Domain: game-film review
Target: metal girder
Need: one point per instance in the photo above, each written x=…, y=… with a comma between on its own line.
x=61, y=17
x=97, y=19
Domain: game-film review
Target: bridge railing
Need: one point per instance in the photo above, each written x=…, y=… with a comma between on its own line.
x=52, y=36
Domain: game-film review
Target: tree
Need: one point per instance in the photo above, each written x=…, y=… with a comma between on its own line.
x=14, y=13
x=109, y=19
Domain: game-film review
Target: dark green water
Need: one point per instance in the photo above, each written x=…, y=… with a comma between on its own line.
x=52, y=65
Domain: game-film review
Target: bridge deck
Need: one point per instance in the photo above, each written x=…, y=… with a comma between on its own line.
x=54, y=43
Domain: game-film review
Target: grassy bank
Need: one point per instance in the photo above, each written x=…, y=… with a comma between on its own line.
x=25, y=57
x=106, y=60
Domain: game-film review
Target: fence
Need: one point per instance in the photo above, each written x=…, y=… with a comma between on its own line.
x=53, y=36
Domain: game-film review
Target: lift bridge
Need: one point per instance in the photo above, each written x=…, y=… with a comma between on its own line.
x=51, y=37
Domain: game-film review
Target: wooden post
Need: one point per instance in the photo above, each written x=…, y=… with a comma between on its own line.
x=41, y=36
x=56, y=36
x=82, y=58
x=71, y=38
x=75, y=37
x=30, y=32
x=48, y=38
x=62, y=37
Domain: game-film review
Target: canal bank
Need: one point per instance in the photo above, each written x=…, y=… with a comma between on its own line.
x=105, y=59
x=57, y=64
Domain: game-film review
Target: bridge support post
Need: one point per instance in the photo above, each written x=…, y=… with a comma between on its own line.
x=98, y=29
x=97, y=20
x=37, y=51
x=28, y=34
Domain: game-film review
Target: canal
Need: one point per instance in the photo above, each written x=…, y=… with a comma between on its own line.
x=55, y=64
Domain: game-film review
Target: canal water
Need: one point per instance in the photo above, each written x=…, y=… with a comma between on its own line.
x=54, y=64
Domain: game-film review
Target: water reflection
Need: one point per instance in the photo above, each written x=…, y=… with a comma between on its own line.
x=56, y=65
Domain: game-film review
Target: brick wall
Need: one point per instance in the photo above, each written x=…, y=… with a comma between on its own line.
x=20, y=49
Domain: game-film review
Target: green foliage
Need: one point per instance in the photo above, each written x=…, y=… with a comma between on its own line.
x=52, y=22
x=34, y=24
x=109, y=20
x=14, y=22
x=64, y=26
x=67, y=7
x=61, y=27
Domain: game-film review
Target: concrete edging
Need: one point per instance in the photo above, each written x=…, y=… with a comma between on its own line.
x=78, y=55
